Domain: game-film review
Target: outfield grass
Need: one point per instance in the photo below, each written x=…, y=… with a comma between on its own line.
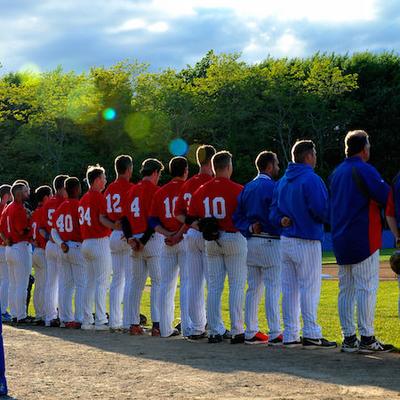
x=387, y=322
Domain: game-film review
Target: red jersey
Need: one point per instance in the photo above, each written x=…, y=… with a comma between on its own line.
x=92, y=205
x=36, y=220
x=390, y=208
x=137, y=205
x=2, y=227
x=163, y=204
x=16, y=221
x=66, y=221
x=115, y=195
x=187, y=190
x=217, y=198
x=49, y=207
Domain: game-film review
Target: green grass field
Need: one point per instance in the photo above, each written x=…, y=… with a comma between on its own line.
x=387, y=322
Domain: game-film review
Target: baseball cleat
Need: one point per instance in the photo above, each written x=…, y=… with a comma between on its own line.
x=258, y=338
x=87, y=327
x=278, y=341
x=143, y=320
x=318, y=344
x=136, y=330
x=374, y=346
x=25, y=321
x=72, y=325
x=198, y=337
x=116, y=329
x=350, y=344
x=293, y=344
x=175, y=332
x=215, y=339
x=227, y=335
x=179, y=327
x=101, y=328
x=55, y=323
x=6, y=318
x=155, y=332
x=237, y=339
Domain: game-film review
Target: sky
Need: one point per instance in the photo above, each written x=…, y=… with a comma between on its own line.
x=77, y=34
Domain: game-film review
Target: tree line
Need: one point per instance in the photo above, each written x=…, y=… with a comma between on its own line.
x=59, y=122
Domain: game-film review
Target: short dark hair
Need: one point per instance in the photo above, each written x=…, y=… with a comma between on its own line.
x=264, y=159
x=301, y=149
x=17, y=187
x=23, y=181
x=177, y=166
x=204, y=154
x=355, y=142
x=71, y=185
x=221, y=160
x=150, y=165
x=93, y=172
x=42, y=191
x=122, y=163
x=58, y=182
x=4, y=189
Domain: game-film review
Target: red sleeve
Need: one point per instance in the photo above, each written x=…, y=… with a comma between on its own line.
x=390, y=209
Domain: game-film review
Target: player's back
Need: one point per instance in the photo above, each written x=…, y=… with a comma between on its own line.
x=116, y=194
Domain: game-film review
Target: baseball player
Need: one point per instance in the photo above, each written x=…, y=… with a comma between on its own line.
x=263, y=250
x=147, y=246
x=393, y=216
x=217, y=199
x=194, y=244
x=357, y=193
x=162, y=220
x=300, y=207
x=67, y=234
x=18, y=251
x=52, y=252
x=95, y=231
x=5, y=196
x=120, y=250
x=42, y=194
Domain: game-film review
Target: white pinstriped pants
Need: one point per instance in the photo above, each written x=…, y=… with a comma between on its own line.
x=143, y=264
x=53, y=283
x=301, y=287
x=97, y=255
x=39, y=265
x=4, y=280
x=264, y=271
x=172, y=262
x=358, y=283
x=197, y=277
x=74, y=277
x=226, y=256
x=19, y=260
x=121, y=259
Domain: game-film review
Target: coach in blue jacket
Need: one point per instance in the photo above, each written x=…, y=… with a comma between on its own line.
x=263, y=250
x=357, y=193
x=300, y=207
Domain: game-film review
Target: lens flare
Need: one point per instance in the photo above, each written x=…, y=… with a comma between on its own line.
x=109, y=114
x=178, y=147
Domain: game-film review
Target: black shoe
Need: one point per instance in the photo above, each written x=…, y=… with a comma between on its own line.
x=143, y=320
x=278, y=341
x=55, y=323
x=374, y=346
x=237, y=339
x=350, y=344
x=13, y=321
x=227, y=335
x=215, y=339
x=295, y=343
x=175, y=332
x=25, y=321
x=179, y=327
x=198, y=337
x=39, y=322
x=318, y=344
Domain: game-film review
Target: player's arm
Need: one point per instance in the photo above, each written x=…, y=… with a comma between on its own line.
x=240, y=219
x=391, y=217
x=316, y=196
x=105, y=221
x=276, y=217
x=378, y=189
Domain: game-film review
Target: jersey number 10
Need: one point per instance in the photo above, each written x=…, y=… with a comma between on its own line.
x=215, y=208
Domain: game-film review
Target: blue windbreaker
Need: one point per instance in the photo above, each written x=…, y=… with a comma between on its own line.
x=253, y=205
x=357, y=192
x=302, y=196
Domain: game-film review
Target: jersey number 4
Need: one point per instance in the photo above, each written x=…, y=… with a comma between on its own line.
x=215, y=208
x=64, y=223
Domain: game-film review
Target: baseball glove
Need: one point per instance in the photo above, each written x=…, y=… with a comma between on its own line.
x=209, y=228
x=395, y=262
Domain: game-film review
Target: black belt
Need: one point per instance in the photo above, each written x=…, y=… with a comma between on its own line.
x=266, y=236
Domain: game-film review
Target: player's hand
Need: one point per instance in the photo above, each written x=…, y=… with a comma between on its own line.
x=117, y=225
x=64, y=247
x=286, y=221
x=256, y=228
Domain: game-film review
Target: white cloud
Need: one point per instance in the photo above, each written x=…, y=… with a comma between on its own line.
x=129, y=25
x=158, y=27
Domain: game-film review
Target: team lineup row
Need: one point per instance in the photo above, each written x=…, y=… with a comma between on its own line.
x=201, y=229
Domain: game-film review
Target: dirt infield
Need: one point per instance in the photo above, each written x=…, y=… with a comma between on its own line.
x=385, y=272
x=51, y=363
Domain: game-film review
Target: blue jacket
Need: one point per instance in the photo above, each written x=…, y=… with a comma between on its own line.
x=396, y=198
x=357, y=192
x=253, y=205
x=302, y=196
